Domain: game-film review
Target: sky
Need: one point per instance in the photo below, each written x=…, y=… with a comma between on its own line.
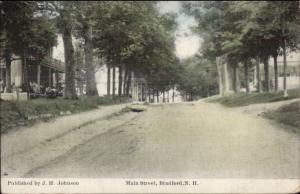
x=187, y=43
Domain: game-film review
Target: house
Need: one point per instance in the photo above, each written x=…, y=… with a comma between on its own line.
x=293, y=70
x=46, y=72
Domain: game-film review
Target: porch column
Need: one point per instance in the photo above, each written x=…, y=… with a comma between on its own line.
x=56, y=79
x=39, y=74
x=50, y=77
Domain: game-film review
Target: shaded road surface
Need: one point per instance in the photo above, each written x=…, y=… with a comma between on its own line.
x=188, y=140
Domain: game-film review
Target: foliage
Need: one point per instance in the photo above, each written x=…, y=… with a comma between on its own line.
x=245, y=30
x=134, y=36
x=25, y=30
x=198, y=77
x=256, y=27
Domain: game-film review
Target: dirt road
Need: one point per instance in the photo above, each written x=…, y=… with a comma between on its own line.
x=187, y=140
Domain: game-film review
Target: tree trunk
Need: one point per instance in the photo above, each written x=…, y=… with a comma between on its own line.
x=235, y=78
x=157, y=96
x=266, y=69
x=133, y=87
x=173, y=95
x=258, y=75
x=114, y=82
x=108, y=80
x=81, y=87
x=246, y=66
x=125, y=81
x=139, y=91
x=153, y=95
x=285, y=93
x=91, y=88
x=26, y=82
x=143, y=91
x=149, y=95
x=225, y=77
x=275, y=72
x=8, y=70
x=220, y=75
x=128, y=83
x=163, y=96
x=70, y=91
x=120, y=81
x=207, y=90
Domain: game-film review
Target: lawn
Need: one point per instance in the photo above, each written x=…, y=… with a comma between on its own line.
x=244, y=99
x=22, y=113
x=288, y=114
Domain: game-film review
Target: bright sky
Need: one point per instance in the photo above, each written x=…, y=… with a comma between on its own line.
x=58, y=50
x=187, y=43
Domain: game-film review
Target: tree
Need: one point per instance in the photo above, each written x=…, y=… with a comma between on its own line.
x=65, y=13
x=84, y=15
x=220, y=36
x=263, y=32
x=79, y=62
x=198, y=78
x=242, y=31
x=287, y=20
x=26, y=34
x=134, y=38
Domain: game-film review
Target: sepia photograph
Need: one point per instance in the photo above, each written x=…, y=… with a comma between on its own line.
x=150, y=96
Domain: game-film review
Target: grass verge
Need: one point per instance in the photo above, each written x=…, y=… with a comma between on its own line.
x=244, y=99
x=288, y=114
x=23, y=113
